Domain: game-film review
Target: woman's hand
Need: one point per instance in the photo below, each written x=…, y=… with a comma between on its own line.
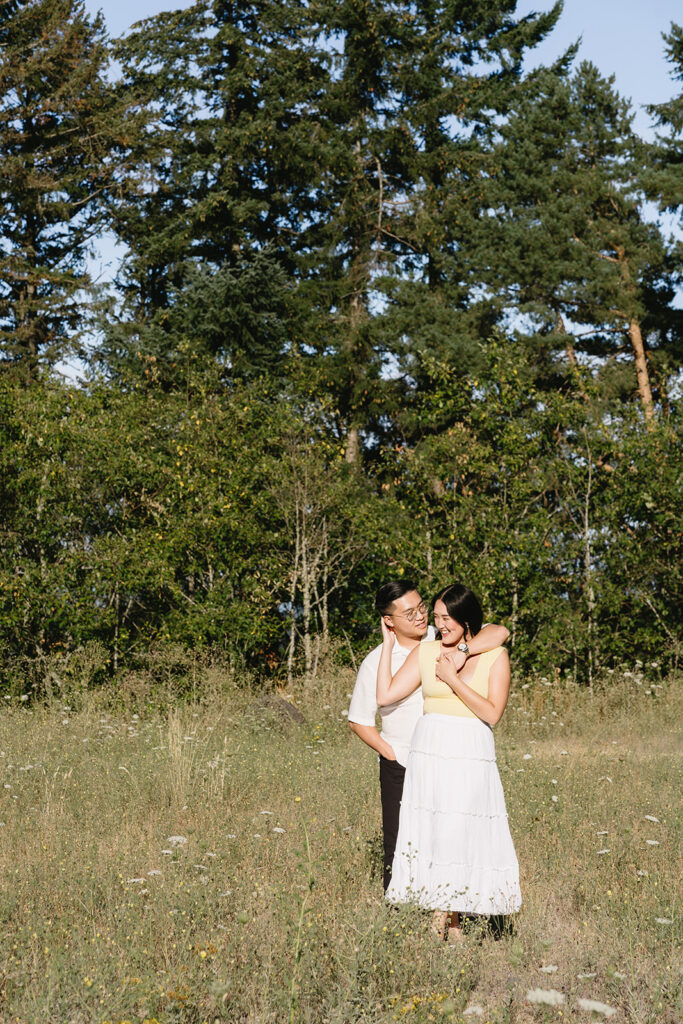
x=446, y=669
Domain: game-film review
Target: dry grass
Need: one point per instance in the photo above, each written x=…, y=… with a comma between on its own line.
x=269, y=910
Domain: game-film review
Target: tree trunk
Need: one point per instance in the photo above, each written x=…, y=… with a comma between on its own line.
x=292, y=599
x=570, y=353
x=513, y=617
x=352, y=450
x=588, y=572
x=644, y=390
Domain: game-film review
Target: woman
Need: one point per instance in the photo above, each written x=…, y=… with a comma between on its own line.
x=454, y=852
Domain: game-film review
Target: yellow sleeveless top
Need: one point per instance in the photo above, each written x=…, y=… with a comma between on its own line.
x=438, y=696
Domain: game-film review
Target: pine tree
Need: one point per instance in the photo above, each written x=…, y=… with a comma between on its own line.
x=405, y=110
x=566, y=242
x=221, y=169
x=665, y=179
x=59, y=125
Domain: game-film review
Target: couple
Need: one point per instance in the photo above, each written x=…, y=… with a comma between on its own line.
x=450, y=848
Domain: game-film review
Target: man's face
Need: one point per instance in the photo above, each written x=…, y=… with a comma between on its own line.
x=408, y=616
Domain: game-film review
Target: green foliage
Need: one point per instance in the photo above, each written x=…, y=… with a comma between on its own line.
x=664, y=176
x=60, y=126
x=234, y=319
x=379, y=310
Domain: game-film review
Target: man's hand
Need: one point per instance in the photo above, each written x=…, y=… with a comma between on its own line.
x=456, y=657
x=368, y=734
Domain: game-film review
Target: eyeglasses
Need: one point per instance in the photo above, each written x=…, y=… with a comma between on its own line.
x=413, y=613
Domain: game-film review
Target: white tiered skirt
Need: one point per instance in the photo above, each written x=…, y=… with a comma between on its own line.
x=454, y=849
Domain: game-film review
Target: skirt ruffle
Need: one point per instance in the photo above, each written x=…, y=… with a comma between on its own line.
x=454, y=849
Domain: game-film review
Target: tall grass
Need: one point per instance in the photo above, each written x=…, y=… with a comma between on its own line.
x=220, y=863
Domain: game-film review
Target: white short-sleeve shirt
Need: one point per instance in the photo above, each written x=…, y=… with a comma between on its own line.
x=399, y=719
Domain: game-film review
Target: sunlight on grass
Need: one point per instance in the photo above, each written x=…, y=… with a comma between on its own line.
x=219, y=863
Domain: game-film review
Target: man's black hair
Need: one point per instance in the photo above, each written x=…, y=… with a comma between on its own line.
x=390, y=592
x=463, y=606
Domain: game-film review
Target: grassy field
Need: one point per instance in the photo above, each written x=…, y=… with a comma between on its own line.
x=218, y=863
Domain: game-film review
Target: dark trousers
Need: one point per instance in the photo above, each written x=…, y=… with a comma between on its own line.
x=391, y=776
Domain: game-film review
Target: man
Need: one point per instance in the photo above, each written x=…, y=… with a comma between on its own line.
x=403, y=610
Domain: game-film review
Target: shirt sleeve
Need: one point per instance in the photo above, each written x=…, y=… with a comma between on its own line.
x=363, y=707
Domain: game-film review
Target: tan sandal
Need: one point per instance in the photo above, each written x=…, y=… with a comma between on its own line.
x=439, y=922
x=455, y=932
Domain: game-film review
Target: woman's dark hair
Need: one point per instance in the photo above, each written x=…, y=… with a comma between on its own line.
x=390, y=592
x=463, y=606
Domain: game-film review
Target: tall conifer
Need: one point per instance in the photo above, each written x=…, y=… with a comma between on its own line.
x=59, y=125
x=566, y=242
x=222, y=169
x=665, y=178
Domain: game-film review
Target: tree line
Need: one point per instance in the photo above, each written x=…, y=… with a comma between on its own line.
x=390, y=303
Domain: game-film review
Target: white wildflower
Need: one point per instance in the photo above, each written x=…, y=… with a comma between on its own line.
x=167, y=853
x=596, y=1007
x=564, y=752
x=154, y=871
x=281, y=831
x=527, y=757
x=135, y=881
x=231, y=835
x=644, y=874
x=554, y=798
x=606, y=850
x=652, y=842
x=663, y=920
x=651, y=817
x=605, y=778
x=266, y=812
x=603, y=833
x=177, y=840
x=549, y=969
x=550, y=996
x=345, y=714
x=590, y=974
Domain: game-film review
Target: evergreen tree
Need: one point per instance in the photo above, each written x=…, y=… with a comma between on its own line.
x=665, y=179
x=222, y=168
x=462, y=73
x=59, y=125
x=566, y=242
x=406, y=106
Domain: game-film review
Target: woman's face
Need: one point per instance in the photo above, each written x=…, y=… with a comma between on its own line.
x=451, y=630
